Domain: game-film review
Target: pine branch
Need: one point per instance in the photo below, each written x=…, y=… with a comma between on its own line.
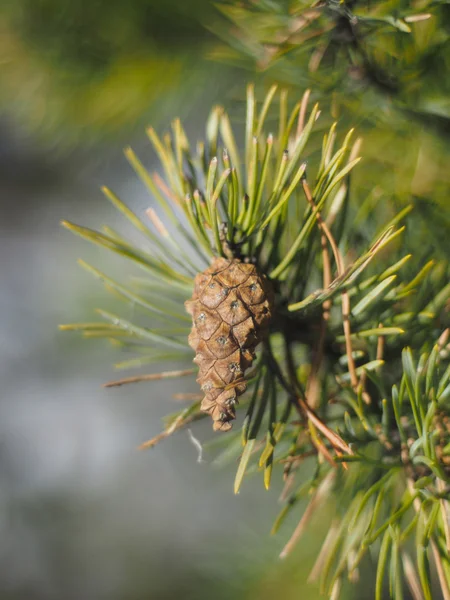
x=353, y=375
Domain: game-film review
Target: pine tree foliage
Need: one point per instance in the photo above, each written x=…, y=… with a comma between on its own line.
x=393, y=49
x=353, y=376
x=379, y=66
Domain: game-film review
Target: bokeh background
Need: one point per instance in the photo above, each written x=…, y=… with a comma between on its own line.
x=83, y=514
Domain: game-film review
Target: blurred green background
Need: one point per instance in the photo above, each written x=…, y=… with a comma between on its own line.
x=82, y=514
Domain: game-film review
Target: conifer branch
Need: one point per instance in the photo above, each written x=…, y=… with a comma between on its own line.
x=352, y=377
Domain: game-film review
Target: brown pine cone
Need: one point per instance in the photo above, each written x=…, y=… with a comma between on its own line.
x=231, y=309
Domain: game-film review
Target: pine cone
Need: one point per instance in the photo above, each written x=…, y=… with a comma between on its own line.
x=231, y=309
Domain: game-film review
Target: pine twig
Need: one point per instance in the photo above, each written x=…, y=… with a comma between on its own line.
x=317, y=499
x=345, y=297
x=149, y=377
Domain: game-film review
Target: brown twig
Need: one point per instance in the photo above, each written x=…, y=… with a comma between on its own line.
x=335, y=440
x=179, y=423
x=298, y=458
x=165, y=189
x=149, y=377
x=192, y=397
x=317, y=569
x=317, y=56
x=157, y=223
x=288, y=486
x=312, y=386
x=320, y=446
x=411, y=577
x=318, y=497
x=345, y=297
x=300, y=404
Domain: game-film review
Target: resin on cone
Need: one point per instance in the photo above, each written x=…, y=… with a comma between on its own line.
x=231, y=308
